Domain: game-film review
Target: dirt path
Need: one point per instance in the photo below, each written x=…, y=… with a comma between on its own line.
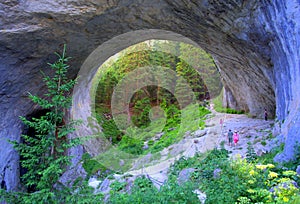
x=256, y=131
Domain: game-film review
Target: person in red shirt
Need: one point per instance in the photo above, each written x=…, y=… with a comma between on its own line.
x=235, y=137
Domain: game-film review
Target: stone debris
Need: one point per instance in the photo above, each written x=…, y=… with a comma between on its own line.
x=201, y=196
x=255, y=131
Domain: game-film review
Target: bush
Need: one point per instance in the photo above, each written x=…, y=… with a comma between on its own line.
x=239, y=181
x=131, y=145
x=143, y=191
x=91, y=166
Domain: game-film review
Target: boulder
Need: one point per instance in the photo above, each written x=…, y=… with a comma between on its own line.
x=199, y=133
x=184, y=175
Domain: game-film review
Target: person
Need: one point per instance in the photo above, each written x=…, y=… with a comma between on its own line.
x=235, y=137
x=230, y=137
x=266, y=115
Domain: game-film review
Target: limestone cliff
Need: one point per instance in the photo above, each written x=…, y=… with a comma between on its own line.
x=254, y=43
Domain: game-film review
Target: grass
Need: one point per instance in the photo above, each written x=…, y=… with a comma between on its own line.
x=123, y=153
x=116, y=160
x=192, y=120
x=219, y=107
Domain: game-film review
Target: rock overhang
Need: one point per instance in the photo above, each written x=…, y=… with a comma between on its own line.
x=254, y=44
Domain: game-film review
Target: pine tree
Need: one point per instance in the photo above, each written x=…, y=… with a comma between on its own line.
x=44, y=154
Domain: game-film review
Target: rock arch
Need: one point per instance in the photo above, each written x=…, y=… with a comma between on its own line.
x=83, y=100
x=254, y=43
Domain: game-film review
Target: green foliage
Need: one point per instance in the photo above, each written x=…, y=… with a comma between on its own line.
x=117, y=186
x=131, y=145
x=150, y=96
x=151, y=56
x=173, y=130
x=133, y=141
x=219, y=107
x=263, y=143
x=143, y=191
x=80, y=193
x=170, y=137
x=250, y=154
x=238, y=180
x=141, y=111
x=43, y=154
x=109, y=127
x=91, y=166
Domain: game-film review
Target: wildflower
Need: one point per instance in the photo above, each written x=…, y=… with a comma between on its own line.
x=250, y=181
x=285, y=199
x=283, y=180
x=273, y=174
x=289, y=173
x=252, y=172
x=270, y=166
x=251, y=191
x=261, y=167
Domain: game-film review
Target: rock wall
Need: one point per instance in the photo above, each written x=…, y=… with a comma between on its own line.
x=284, y=20
x=254, y=43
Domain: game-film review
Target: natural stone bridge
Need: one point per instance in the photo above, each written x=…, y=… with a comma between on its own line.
x=255, y=45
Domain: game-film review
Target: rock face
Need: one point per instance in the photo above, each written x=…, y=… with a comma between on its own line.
x=255, y=45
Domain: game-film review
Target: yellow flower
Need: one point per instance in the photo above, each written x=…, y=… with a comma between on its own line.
x=252, y=172
x=251, y=191
x=289, y=173
x=250, y=181
x=283, y=180
x=273, y=174
x=285, y=199
x=261, y=167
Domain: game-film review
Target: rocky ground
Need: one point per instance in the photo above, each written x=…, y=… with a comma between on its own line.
x=256, y=131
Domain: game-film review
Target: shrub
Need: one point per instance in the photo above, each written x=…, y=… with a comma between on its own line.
x=143, y=191
x=131, y=145
x=44, y=154
x=250, y=154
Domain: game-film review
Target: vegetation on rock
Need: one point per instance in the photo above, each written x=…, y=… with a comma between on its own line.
x=236, y=181
x=44, y=155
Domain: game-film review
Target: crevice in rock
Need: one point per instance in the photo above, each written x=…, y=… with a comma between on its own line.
x=3, y=184
x=30, y=132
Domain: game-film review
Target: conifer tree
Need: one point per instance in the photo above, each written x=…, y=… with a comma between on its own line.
x=44, y=153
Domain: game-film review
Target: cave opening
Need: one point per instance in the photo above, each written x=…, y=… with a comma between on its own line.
x=136, y=85
x=190, y=64
x=30, y=131
x=244, y=98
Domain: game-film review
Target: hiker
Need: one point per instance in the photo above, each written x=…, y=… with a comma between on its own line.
x=266, y=115
x=230, y=137
x=235, y=137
